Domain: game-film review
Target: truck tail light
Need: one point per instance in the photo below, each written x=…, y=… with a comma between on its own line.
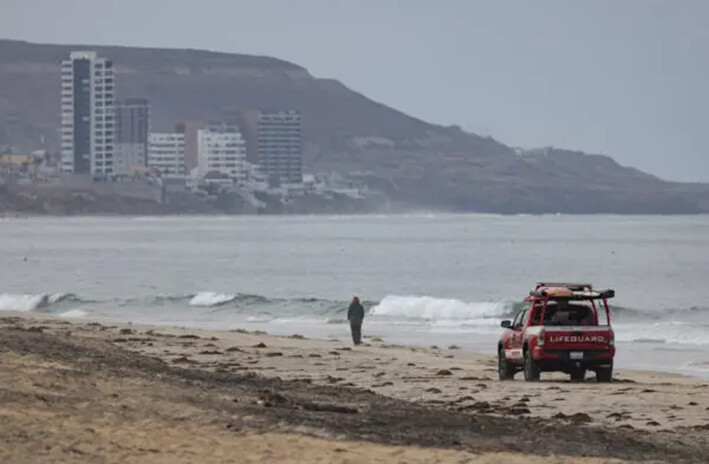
x=611, y=339
x=540, y=338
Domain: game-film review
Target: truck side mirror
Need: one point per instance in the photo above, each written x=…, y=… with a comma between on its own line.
x=507, y=324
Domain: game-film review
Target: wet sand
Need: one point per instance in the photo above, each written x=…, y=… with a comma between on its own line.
x=84, y=391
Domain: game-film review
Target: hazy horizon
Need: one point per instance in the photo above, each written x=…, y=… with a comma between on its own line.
x=626, y=79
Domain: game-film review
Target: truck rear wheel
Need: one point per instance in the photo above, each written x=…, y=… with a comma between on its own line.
x=504, y=368
x=604, y=374
x=531, y=370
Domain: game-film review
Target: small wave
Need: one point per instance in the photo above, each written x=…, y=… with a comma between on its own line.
x=437, y=309
x=211, y=299
x=648, y=340
x=73, y=313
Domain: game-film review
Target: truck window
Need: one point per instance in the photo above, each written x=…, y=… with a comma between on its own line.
x=573, y=313
x=519, y=320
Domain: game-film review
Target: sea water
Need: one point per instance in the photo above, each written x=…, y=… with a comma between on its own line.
x=426, y=279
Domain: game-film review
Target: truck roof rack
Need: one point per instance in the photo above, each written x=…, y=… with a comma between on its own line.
x=574, y=286
x=573, y=294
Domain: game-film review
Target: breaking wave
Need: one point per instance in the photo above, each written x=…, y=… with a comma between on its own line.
x=438, y=309
x=31, y=302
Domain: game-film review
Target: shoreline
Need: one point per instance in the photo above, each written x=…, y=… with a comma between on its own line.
x=379, y=399
x=379, y=340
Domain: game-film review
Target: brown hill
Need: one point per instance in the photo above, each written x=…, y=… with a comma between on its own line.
x=415, y=163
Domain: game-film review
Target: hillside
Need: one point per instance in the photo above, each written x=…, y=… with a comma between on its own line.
x=418, y=165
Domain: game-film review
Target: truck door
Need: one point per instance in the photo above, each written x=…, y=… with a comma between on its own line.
x=515, y=348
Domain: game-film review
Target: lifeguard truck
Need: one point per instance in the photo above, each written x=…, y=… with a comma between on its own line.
x=563, y=327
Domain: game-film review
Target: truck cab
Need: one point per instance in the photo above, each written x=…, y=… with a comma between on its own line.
x=562, y=327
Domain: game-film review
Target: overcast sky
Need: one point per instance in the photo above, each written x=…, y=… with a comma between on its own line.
x=627, y=78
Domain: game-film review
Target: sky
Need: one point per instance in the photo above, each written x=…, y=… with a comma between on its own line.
x=626, y=78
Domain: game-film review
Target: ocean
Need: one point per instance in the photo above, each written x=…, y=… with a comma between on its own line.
x=426, y=279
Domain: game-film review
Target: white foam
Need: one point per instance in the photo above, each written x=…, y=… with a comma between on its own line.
x=73, y=313
x=259, y=319
x=22, y=302
x=211, y=299
x=436, y=309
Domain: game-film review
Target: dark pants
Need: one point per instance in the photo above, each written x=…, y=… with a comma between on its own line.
x=356, y=327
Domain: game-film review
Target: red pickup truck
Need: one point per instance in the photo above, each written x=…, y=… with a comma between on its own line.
x=559, y=330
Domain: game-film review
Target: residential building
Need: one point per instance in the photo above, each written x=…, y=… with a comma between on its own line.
x=247, y=121
x=190, y=128
x=221, y=149
x=166, y=153
x=132, y=128
x=279, y=146
x=87, y=114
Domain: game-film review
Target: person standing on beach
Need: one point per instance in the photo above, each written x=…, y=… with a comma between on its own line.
x=355, y=314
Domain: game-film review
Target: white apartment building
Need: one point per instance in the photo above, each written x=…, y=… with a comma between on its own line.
x=166, y=153
x=87, y=114
x=222, y=151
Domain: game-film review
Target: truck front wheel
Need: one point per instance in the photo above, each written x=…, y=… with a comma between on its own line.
x=531, y=370
x=505, y=369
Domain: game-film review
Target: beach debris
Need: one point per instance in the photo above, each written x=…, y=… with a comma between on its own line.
x=184, y=360
x=126, y=331
x=273, y=354
x=454, y=347
x=433, y=390
x=444, y=372
x=297, y=337
x=576, y=418
x=344, y=348
x=260, y=345
x=314, y=355
x=211, y=352
x=330, y=407
x=653, y=423
x=384, y=384
x=190, y=336
x=517, y=411
x=233, y=349
x=272, y=399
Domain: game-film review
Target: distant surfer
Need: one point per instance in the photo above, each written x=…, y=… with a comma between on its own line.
x=355, y=314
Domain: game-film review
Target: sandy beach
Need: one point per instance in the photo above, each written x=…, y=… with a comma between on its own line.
x=82, y=391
